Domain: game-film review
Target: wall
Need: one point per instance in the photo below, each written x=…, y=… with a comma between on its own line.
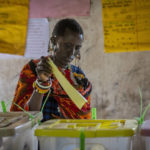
x=116, y=77
x=9, y=73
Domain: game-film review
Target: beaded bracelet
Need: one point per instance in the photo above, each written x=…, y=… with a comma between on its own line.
x=42, y=87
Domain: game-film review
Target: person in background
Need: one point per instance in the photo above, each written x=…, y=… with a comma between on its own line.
x=37, y=80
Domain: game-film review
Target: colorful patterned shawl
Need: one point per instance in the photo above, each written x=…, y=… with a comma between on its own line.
x=69, y=110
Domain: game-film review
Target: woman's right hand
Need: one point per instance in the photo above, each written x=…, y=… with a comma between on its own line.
x=43, y=69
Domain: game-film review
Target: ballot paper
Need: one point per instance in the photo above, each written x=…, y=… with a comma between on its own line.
x=74, y=95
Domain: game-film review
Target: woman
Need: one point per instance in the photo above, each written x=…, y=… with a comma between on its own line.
x=36, y=79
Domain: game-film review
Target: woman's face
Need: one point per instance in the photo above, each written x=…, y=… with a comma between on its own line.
x=68, y=47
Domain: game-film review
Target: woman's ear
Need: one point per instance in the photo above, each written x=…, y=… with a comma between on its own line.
x=53, y=40
x=54, y=43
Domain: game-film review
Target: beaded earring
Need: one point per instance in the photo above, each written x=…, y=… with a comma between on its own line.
x=77, y=60
x=51, y=48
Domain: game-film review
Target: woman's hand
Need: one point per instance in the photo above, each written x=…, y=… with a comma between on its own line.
x=43, y=69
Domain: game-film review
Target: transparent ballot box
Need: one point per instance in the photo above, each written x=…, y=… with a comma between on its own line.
x=17, y=131
x=145, y=133
x=86, y=134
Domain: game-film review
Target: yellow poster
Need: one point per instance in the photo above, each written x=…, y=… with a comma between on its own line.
x=126, y=25
x=13, y=26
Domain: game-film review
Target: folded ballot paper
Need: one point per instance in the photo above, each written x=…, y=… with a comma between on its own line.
x=74, y=95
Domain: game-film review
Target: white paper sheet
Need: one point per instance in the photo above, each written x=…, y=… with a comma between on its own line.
x=37, y=38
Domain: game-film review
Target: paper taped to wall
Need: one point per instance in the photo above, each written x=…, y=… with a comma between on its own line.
x=126, y=25
x=37, y=38
x=13, y=26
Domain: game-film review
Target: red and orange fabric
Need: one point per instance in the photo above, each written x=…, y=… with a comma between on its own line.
x=58, y=97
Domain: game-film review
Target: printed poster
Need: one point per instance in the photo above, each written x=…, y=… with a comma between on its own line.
x=126, y=25
x=13, y=26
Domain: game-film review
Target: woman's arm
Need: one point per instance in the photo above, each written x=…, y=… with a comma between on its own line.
x=35, y=101
x=41, y=85
x=26, y=96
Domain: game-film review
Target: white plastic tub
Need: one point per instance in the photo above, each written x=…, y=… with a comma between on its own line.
x=98, y=134
x=17, y=131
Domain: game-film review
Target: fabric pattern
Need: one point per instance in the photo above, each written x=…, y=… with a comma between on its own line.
x=58, y=103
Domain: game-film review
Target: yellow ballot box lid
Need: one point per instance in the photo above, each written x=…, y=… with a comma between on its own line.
x=92, y=128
